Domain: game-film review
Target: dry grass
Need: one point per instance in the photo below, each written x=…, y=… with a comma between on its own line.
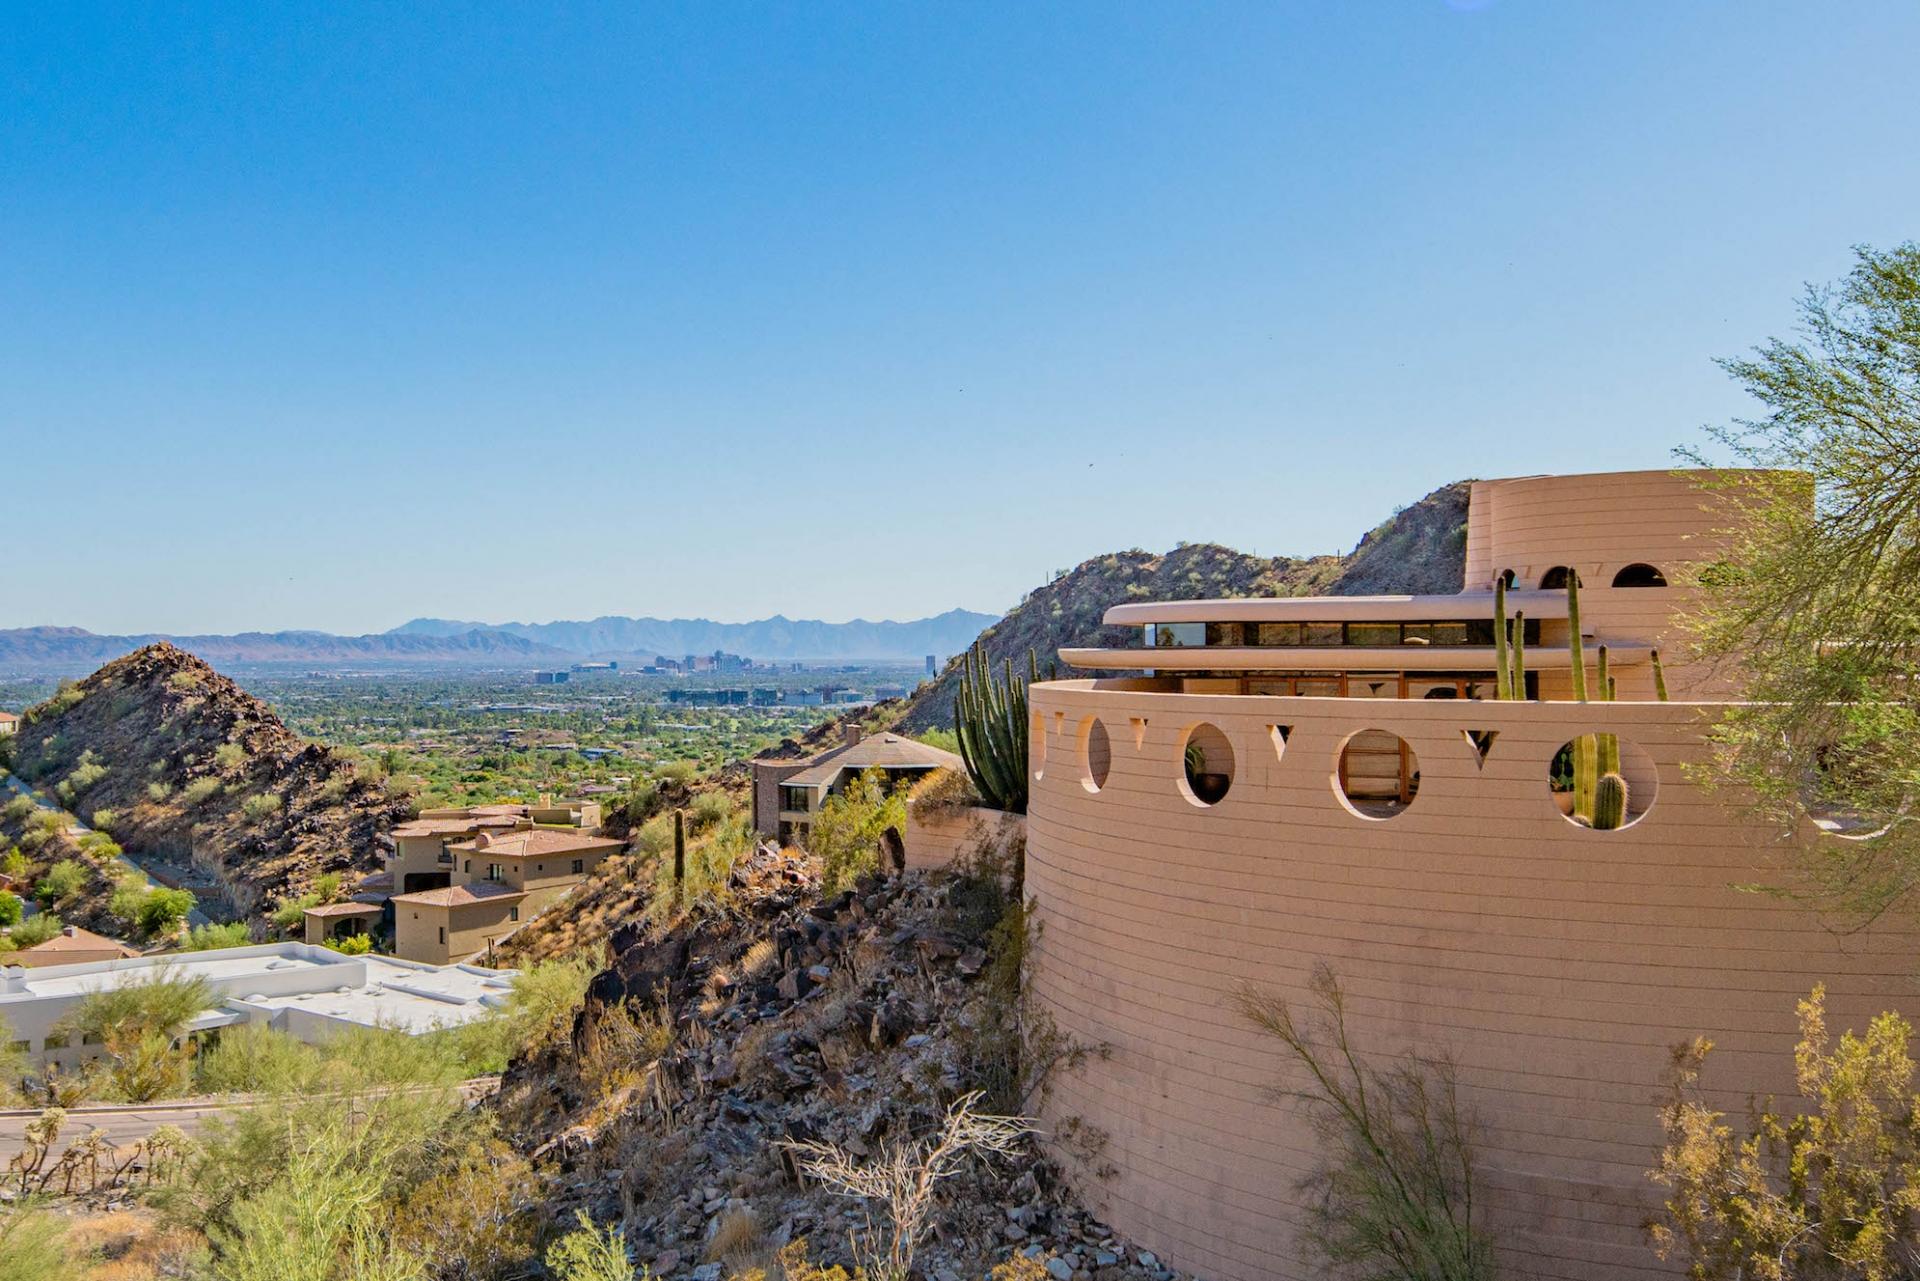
x=758, y=959
x=130, y=1245
x=737, y=1240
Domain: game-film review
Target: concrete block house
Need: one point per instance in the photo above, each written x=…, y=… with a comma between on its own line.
x=1261, y=787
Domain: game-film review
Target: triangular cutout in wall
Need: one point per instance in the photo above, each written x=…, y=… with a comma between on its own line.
x=1139, y=724
x=1278, y=733
x=1481, y=741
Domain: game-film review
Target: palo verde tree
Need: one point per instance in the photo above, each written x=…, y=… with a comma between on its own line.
x=1817, y=603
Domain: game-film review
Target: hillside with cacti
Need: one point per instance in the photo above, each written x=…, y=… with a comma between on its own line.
x=176, y=760
x=1420, y=548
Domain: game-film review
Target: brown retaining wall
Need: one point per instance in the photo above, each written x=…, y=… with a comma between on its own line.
x=1556, y=964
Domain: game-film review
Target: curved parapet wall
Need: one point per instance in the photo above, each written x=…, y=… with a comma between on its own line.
x=1597, y=524
x=1556, y=964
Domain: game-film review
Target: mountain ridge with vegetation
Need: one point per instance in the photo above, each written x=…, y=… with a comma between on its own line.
x=172, y=757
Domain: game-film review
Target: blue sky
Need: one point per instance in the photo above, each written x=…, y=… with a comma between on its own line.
x=329, y=316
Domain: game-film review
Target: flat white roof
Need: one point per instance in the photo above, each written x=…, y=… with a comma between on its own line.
x=280, y=977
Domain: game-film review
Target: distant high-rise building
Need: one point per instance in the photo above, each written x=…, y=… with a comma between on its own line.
x=933, y=667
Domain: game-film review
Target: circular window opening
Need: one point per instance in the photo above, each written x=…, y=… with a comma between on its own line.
x=1096, y=753
x=1378, y=775
x=1640, y=575
x=1037, y=744
x=1556, y=579
x=1603, y=782
x=1207, y=761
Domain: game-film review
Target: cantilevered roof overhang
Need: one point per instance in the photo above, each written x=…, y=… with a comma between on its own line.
x=1338, y=609
x=1334, y=658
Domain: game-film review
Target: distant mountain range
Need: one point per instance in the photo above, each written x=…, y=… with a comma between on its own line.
x=434, y=640
x=776, y=637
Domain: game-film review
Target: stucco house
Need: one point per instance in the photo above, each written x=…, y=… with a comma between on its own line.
x=9, y=724
x=469, y=876
x=1261, y=787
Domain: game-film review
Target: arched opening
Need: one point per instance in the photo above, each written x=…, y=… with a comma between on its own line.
x=1096, y=753
x=1206, y=760
x=1510, y=578
x=1556, y=579
x=1640, y=574
x=1377, y=774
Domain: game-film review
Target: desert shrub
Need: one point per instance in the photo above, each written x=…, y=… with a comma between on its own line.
x=1393, y=1195
x=15, y=865
x=206, y=938
x=903, y=1180
x=655, y=836
x=290, y=913
x=350, y=944
x=68, y=696
x=159, y=791
x=591, y=1253
x=35, y=930
x=251, y=1058
x=200, y=790
x=229, y=756
x=473, y=1219
x=163, y=911
x=708, y=809
x=11, y=908
x=677, y=772
x=30, y=1246
x=85, y=774
x=260, y=807
x=943, y=792
x=128, y=896
x=104, y=819
x=137, y=1022
x=17, y=809
x=1828, y=1189
x=62, y=881
x=619, y=1044
x=845, y=835
x=327, y=885
x=100, y=847
x=183, y=682
x=336, y=786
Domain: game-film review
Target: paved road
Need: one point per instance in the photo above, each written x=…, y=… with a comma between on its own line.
x=121, y=1124
x=12, y=783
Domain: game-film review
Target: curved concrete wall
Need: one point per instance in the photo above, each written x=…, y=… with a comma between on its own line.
x=1597, y=524
x=1556, y=964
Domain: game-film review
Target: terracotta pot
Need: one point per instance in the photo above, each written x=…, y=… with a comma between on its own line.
x=1210, y=788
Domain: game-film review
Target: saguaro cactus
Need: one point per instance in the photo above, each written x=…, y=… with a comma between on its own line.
x=679, y=850
x=1659, y=678
x=1609, y=802
x=990, y=720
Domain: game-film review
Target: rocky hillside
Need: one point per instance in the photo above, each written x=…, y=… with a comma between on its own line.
x=1421, y=548
x=718, y=1038
x=188, y=764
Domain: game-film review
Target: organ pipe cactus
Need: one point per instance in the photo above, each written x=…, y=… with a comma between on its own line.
x=1509, y=646
x=990, y=720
